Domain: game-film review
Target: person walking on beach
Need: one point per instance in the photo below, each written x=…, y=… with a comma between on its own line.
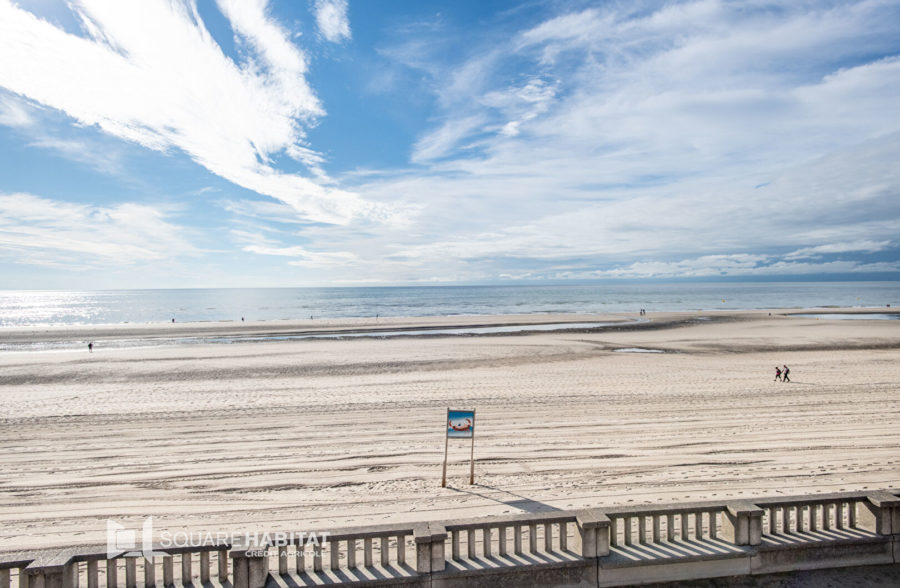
x=91, y=347
x=777, y=374
x=787, y=370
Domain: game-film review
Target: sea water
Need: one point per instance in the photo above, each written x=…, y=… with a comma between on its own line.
x=44, y=308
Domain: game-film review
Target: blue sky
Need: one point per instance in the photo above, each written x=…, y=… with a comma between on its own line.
x=321, y=142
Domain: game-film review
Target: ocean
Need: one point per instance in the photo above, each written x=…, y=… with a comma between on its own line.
x=20, y=308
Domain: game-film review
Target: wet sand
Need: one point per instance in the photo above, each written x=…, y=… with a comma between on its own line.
x=320, y=434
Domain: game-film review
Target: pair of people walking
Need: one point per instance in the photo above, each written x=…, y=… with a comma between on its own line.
x=782, y=375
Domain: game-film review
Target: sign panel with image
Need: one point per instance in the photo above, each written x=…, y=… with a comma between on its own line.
x=461, y=423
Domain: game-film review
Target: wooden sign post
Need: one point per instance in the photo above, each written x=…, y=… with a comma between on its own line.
x=460, y=425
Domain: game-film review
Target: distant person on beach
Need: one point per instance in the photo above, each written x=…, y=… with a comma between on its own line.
x=787, y=370
x=777, y=374
x=173, y=319
x=91, y=347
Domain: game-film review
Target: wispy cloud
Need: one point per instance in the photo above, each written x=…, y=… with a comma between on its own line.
x=104, y=160
x=643, y=139
x=14, y=114
x=43, y=231
x=854, y=246
x=121, y=78
x=332, y=20
x=689, y=131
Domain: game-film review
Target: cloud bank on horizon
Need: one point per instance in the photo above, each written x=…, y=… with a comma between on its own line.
x=246, y=142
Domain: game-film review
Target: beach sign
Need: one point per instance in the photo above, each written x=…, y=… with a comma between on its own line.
x=460, y=424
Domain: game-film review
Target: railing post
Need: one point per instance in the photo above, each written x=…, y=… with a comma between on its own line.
x=52, y=571
x=422, y=537
x=430, y=539
x=45, y=576
x=112, y=573
x=250, y=567
x=223, y=565
x=168, y=571
x=438, y=541
x=591, y=534
x=880, y=513
x=186, y=573
x=149, y=572
x=742, y=523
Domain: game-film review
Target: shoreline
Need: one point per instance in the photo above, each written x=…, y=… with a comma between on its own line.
x=207, y=332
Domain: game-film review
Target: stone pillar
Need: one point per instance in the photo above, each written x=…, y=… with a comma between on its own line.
x=48, y=576
x=430, y=539
x=742, y=523
x=880, y=513
x=438, y=543
x=251, y=567
x=591, y=534
x=52, y=570
x=422, y=536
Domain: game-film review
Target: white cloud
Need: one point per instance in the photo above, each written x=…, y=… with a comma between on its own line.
x=104, y=160
x=854, y=246
x=14, y=114
x=301, y=256
x=332, y=20
x=49, y=232
x=729, y=265
x=522, y=104
x=445, y=139
x=694, y=131
x=628, y=140
x=131, y=85
x=705, y=266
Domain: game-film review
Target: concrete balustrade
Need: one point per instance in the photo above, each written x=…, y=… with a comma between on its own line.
x=593, y=547
x=486, y=538
x=805, y=514
x=679, y=521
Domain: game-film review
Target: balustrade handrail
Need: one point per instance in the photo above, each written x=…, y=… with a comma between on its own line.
x=561, y=516
x=14, y=562
x=808, y=499
x=657, y=510
x=372, y=532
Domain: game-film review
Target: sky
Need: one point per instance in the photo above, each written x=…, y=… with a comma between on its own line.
x=252, y=143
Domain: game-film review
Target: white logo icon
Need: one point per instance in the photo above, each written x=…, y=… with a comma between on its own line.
x=122, y=541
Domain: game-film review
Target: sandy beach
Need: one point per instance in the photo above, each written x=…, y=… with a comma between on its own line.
x=317, y=434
